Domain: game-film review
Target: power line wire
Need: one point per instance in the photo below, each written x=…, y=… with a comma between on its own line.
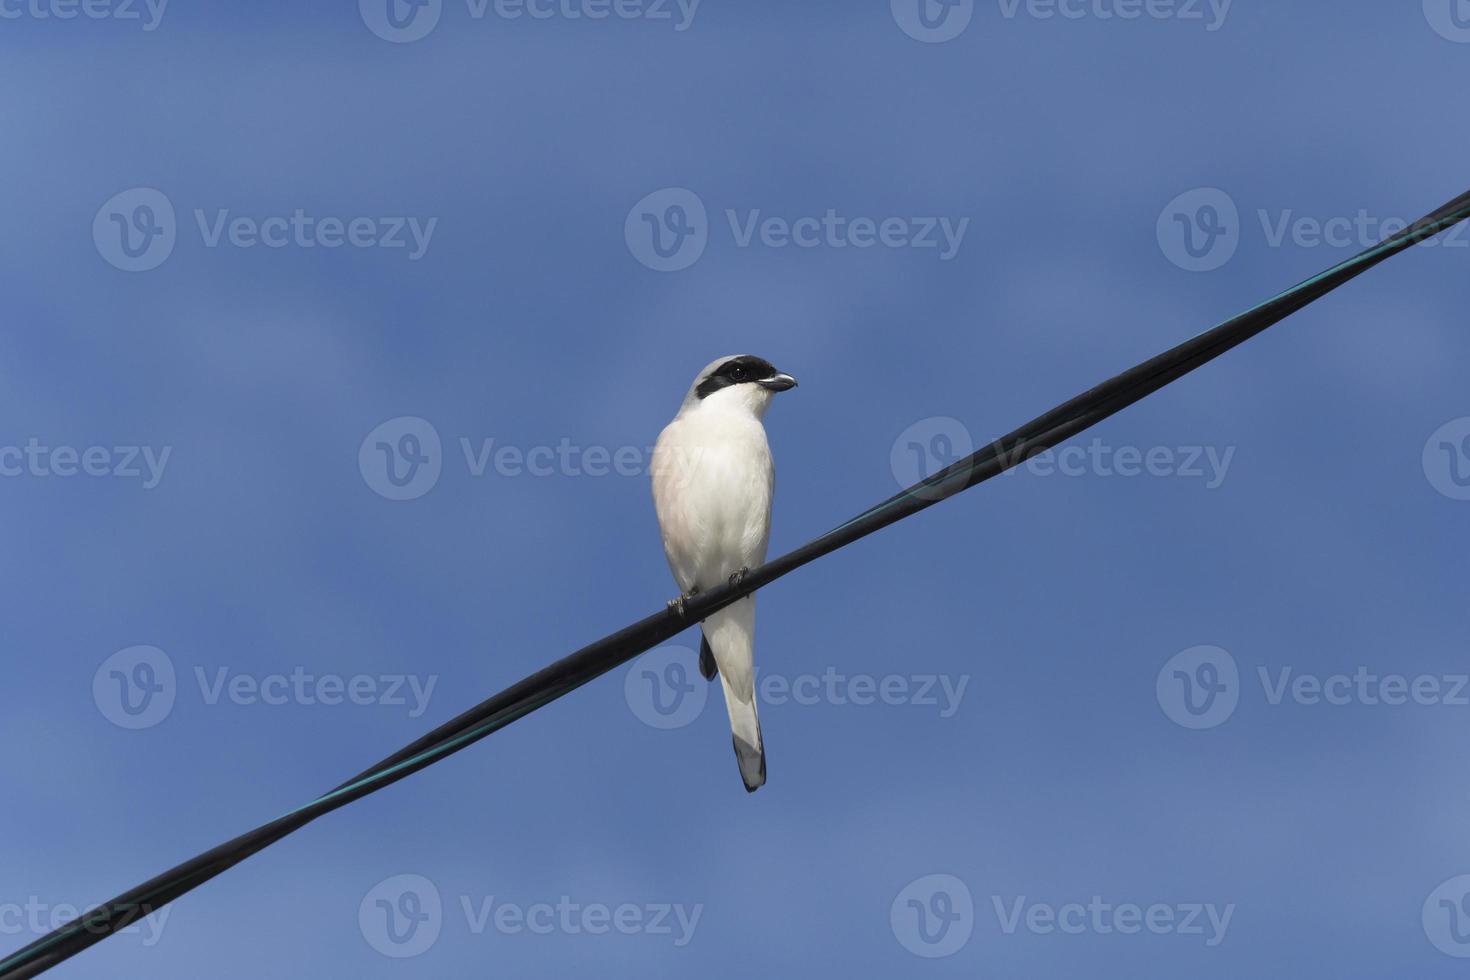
x=592, y=661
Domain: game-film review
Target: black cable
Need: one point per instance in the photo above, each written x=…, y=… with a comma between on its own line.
x=592, y=661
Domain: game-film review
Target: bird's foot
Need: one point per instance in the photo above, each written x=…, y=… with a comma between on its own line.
x=677, y=605
x=739, y=577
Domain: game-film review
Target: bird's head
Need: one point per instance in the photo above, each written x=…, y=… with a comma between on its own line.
x=738, y=382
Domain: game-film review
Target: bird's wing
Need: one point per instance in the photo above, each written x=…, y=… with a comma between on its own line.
x=676, y=522
x=707, y=666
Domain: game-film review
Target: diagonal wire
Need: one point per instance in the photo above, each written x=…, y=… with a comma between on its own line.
x=570, y=673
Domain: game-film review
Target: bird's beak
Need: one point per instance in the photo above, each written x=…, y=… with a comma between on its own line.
x=781, y=382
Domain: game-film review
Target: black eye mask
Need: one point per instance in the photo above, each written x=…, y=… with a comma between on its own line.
x=737, y=370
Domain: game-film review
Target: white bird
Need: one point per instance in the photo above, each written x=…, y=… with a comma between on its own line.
x=712, y=485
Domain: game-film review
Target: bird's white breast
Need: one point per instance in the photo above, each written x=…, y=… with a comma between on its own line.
x=712, y=486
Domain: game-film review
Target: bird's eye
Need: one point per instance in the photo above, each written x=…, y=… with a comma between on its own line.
x=737, y=373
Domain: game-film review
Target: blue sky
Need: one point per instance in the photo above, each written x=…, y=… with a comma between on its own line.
x=981, y=742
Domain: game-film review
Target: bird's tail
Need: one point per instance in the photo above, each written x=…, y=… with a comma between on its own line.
x=730, y=634
x=750, y=752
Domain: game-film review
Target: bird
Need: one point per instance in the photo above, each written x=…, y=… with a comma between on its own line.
x=713, y=480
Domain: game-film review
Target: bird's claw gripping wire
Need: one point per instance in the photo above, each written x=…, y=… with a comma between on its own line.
x=677, y=605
